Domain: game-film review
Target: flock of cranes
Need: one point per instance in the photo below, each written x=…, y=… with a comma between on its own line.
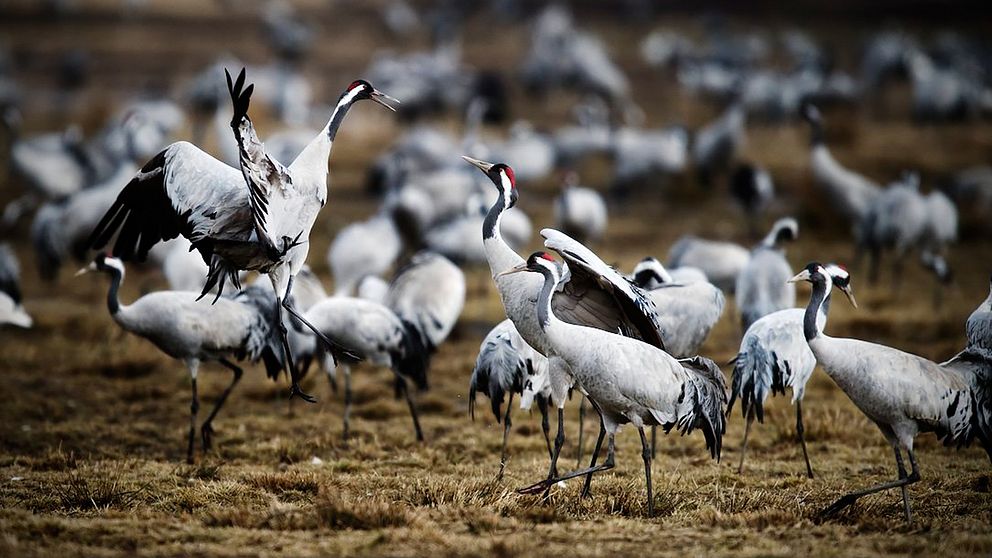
x=629, y=344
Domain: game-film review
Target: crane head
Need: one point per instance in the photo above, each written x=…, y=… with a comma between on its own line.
x=103, y=262
x=501, y=175
x=841, y=279
x=360, y=90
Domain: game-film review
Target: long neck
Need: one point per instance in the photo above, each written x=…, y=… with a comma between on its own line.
x=545, y=316
x=318, y=151
x=817, y=300
x=499, y=254
x=113, y=303
x=771, y=239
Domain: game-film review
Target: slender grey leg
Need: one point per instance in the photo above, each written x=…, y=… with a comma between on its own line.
x=582, y=420
x=506, y=437
x=284, y=336
x=646, y=455
x=347, y=402
x=801, y=431
x=747, y=430
x=401, y=383
x=194, y=407
x=905, y=491
x=559, y=442
x=207, y=429
x=608, y=464
x=654, y=440
x=595, y=452
x=542, y=405
x=848, y=499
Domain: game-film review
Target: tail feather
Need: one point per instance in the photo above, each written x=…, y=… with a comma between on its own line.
x=977, y=370
x=49, y=243
x=757, y=374
x=414, y=359
x=702, y=402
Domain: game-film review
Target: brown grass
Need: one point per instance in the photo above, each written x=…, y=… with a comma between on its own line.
x=93, y=422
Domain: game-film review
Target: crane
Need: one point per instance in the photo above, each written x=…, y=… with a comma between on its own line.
x=260, y=226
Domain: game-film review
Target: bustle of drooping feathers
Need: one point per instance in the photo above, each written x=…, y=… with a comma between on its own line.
x=701, y=403
x=496, y=363
x=757, y=372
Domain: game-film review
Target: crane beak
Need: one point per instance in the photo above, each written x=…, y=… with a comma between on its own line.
x=381, y=98
x=801, y=276
x=85, y=270
x=518, y=269
x=850, y=295
x=481, y=165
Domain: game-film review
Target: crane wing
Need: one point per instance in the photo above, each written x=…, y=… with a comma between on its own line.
x=261, y=171
x=598, y=296
x=182, y=190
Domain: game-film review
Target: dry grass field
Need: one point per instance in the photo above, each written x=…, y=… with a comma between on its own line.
x=93, y=421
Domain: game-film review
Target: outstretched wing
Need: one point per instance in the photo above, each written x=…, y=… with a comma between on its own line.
x=182, y=190
x=598, y=296
x=262, y=172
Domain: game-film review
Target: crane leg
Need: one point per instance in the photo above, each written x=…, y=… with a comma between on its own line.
x=595, y=454
x=506, y=437
x=646, y=455
x=284, y=337
x=654, y=441
x=194, y=407
x=285, y=303
x=801, y=432
x=207, y=429
x=905, y=491
x=546, y=484
x=542, y=405
x=582, y=420
x=543, y=485
x=747, y=430
x=347, y=402
x=850, y=498
x=401, y=383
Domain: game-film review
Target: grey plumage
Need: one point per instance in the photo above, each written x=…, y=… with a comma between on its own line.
x=368, y=247
x=979, y=326
x=687, y=311
x=371, y=331
x=11, y=310
x=506, y=365
x=774, y=355
x=428, y=293
x=721, y=261
x=629, y=381
x=258, y=219
x=761, y=286
x=194, y=332
x=902, y=393
x=850, y=193
x=580, y=212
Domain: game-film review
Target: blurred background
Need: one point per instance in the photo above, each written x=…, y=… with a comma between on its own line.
x=678, y=119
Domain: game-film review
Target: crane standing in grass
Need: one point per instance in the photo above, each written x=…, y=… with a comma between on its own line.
x=257, y=220
x=594, y=295
x=629, y=381
x=773, y=355
x=193, y=333
x=903, y=394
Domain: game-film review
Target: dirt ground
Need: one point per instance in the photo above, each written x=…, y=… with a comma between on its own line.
x=93, y=421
